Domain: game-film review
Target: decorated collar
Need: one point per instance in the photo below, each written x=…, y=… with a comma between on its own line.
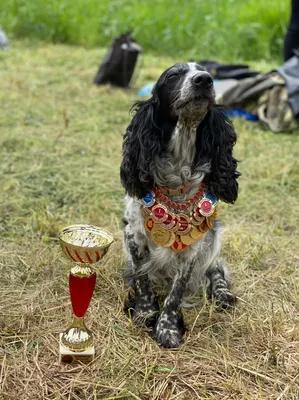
x=178, y=225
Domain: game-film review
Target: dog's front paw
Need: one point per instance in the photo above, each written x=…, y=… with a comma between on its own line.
x=143, y=310
x=224, y=300
x=145, y=316
x=170, y=330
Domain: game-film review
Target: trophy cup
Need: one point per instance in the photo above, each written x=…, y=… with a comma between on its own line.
x=84, y=245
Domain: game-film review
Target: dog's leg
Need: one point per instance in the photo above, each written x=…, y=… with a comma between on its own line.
x=218, y=286
x=142, y=303
x=170, y=326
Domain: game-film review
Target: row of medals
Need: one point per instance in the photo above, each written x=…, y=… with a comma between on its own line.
x=176, y=230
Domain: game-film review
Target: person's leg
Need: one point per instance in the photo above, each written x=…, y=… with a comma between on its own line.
x=291, y=41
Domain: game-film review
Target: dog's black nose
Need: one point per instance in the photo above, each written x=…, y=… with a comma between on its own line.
x=202, y=78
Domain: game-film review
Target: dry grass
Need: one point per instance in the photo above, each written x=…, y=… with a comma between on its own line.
x=60, y=153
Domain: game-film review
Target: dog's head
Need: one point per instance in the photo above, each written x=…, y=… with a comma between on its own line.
x=184, y=93
x=184, y=89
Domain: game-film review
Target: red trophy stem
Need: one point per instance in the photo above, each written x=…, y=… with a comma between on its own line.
x=81, y=291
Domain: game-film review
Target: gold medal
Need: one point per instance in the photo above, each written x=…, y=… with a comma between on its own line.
x=171, y=240
x=162, y=237
x=159, y=213
x=187, y=239
x=210, y=221
x=196, y=220
x=148, y=224
x=206, y=207
x=176, y=226
x=170, y=222
x=185, y=226
x=196, y=234
x=203, y=227
x=178, y=246
x=197, y=215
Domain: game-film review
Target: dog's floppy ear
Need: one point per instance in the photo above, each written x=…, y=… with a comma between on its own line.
x=215, y=144
x=142, y=140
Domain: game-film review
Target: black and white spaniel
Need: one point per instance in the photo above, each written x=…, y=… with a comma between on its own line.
x=178, y=143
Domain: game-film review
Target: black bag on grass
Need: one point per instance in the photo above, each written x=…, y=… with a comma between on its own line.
x=119, y=62
x=227, y=71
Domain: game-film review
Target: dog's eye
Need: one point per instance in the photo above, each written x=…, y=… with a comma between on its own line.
x=172, y=77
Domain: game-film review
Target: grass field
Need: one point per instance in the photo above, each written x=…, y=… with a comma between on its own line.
x=229, y=30
x=60, y=150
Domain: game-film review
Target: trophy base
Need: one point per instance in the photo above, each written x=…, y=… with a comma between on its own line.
x=71, y=357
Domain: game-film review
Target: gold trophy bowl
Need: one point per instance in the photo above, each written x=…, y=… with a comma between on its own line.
x=84, y=245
